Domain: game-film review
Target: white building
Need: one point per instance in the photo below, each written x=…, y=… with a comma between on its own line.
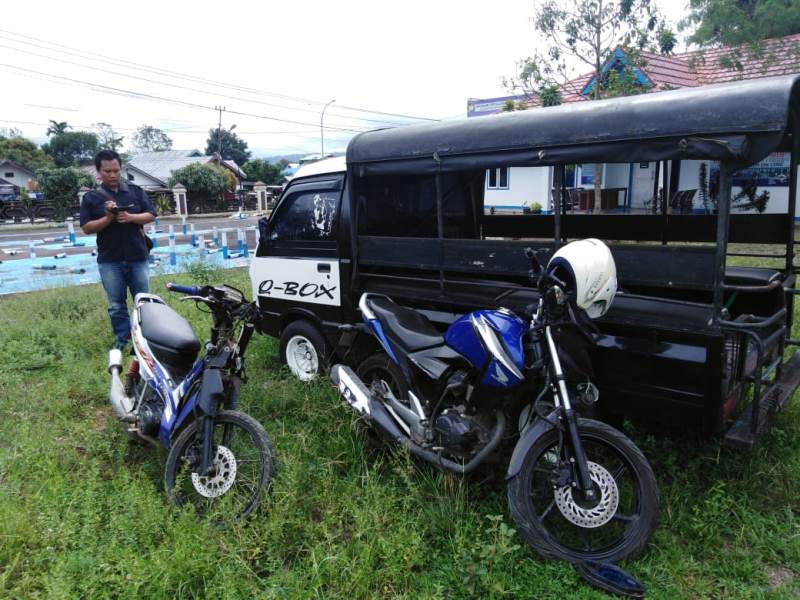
x=632, y=186
x=14, y=174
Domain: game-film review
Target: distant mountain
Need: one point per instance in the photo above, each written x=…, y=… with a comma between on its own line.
x=275, y=159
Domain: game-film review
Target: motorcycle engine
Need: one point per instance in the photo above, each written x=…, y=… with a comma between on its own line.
x=457, y=432
x=149, y=415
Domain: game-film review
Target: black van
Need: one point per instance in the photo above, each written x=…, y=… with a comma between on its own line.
x=689, y=335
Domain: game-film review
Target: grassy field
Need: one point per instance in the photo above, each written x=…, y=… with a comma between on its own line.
x=83, y=512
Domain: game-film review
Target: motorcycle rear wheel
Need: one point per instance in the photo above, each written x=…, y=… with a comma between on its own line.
x=245, y=465
x=379, y=367
x=560, y=526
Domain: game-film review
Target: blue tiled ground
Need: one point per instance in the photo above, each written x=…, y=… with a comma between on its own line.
x=27, y=274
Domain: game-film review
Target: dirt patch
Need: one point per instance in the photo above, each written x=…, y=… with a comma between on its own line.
x=779, y=576
x=99, y=419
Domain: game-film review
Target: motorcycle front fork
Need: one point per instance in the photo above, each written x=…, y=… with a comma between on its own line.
x=580, y=467
x=582, y=481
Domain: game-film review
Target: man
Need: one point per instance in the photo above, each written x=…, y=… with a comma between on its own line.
x=117, y=213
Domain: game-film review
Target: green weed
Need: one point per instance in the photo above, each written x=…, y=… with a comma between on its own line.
x=83, y=512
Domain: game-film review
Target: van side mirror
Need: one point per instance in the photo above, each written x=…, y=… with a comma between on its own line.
x=263, y=229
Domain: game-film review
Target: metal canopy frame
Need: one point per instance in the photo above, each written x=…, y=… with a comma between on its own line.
x=735, y=124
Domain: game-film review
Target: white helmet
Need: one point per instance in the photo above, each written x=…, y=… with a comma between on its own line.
x=588, y=270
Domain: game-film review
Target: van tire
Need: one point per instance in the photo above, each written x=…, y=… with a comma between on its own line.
x=304, y=350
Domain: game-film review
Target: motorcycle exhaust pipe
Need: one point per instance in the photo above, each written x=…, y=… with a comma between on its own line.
x=122, y=404
x=351, y=388
x=355, y=392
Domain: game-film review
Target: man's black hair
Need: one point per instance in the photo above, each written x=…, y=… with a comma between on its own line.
x=106, y=155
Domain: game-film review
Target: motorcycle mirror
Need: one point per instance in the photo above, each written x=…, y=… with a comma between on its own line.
x=610, y=578
x=530, y=254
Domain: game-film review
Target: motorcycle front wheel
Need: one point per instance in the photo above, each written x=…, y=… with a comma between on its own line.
x=558, y=523
x=244, y=465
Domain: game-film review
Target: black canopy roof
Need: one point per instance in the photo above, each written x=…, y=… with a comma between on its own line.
x=740, y=122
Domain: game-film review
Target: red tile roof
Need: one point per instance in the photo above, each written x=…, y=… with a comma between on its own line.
x=777, y=56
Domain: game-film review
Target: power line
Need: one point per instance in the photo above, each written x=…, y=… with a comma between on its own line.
x=140, y=66
x=181, y=87
x=142, y=95
x=307, y=133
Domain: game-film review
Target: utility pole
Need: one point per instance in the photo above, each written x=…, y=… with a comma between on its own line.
x=321, y=130
x=219, y=130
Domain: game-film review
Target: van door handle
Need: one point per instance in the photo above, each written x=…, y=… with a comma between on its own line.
x=323, y=268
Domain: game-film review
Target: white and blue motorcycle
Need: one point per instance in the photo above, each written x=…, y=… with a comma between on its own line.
x=578, y=489
x=220, y=459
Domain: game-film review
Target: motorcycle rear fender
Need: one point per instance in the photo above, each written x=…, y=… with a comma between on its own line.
x=526, y=441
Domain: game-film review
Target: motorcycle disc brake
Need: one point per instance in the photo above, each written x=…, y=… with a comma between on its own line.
x=219, y=483
x=594, y=514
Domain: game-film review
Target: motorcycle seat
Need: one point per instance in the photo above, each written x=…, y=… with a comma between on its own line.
x=408, y=328
x=165, y=329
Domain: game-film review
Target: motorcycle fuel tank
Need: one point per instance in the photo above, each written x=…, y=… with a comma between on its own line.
x=492, y=342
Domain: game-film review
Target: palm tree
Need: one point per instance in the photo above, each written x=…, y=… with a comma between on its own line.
x=57, y=127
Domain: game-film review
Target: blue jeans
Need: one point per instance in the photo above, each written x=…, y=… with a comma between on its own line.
x=117, y=278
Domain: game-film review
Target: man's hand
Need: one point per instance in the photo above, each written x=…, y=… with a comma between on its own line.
x=124, y=217
x=109, y=205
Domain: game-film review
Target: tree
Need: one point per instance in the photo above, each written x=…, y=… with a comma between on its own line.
x=7, y=133
x=71, y=147
x=61, y=186
x=150, y=139
x=57, y=127
x=264, y=171
x=735, y=22
x=233, y=147
x=741, y=24
x=230, y=179
x=107, y=138
x=204, y=182
x=24, y=152
x=590, y=32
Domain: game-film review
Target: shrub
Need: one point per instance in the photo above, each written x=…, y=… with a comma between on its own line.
x=163, y=204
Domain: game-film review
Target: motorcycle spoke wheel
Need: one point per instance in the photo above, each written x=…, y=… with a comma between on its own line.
x=560, y=523
x=243, y=460
x=579, y=525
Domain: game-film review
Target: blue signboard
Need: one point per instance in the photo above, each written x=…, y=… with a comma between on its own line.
x=773, y=171
x=480, y=107
x=587, y=175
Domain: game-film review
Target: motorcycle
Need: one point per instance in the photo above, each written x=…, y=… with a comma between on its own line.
x=219, y=457
x=578, y=489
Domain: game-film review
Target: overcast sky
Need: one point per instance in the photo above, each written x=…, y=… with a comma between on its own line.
x=279, y=63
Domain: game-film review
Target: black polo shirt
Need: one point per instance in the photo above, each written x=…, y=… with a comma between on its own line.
x=118, y=241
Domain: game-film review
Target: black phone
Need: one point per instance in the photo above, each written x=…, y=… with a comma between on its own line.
x=116, y=209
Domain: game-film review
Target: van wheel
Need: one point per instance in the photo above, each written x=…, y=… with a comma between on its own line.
x=303, y=350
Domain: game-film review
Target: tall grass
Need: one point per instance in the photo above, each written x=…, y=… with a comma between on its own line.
x=83, y=512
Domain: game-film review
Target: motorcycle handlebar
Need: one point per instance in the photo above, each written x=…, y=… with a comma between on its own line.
x=191, y=290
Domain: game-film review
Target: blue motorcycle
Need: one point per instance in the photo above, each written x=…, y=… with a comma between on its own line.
x=220, y=459
x=578, y=489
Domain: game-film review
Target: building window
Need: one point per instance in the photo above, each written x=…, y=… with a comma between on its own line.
x=497, y=179
x=11, y=174
x=130, y=177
